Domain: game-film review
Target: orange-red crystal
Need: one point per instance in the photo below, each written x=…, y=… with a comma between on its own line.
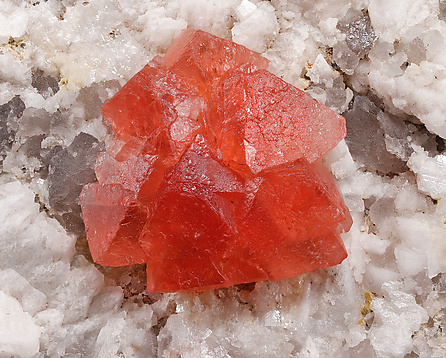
x=214, y=177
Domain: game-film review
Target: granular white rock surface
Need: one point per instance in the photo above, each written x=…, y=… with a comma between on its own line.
x=382, y=63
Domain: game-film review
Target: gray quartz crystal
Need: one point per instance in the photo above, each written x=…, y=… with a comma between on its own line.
x=32, y=146
x=360, y=36
x=94, y=96
x=359, y=40
x=45, y=85
x=35, y=121
x=69, y=170
x=415, y=50
x=10, y=114
x=345, y=58
x=366, y=138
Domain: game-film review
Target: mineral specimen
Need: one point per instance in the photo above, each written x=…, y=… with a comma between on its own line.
x=215, y=176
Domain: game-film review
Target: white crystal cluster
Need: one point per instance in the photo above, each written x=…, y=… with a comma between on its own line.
x=382, y=63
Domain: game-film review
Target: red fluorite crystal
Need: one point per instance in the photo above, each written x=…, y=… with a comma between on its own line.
x=215, y=176
x=263, y=121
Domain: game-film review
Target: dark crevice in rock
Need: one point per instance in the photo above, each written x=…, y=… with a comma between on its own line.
x=249, y=287
x=441, y=144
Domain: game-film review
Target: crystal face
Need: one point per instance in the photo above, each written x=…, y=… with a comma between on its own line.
x=214, y=177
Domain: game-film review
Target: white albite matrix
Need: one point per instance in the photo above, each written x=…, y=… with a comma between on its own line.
x=52, y=298
x=382, y=63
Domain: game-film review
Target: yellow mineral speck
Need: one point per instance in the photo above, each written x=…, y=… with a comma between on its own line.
x=365, y=308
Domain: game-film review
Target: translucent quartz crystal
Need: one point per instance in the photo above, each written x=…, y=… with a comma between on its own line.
x=46, y=86
x=214, y=177
x=10, y=114
x=367, y=137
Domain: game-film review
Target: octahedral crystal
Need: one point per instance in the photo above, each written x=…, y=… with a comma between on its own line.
x=214, y=177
